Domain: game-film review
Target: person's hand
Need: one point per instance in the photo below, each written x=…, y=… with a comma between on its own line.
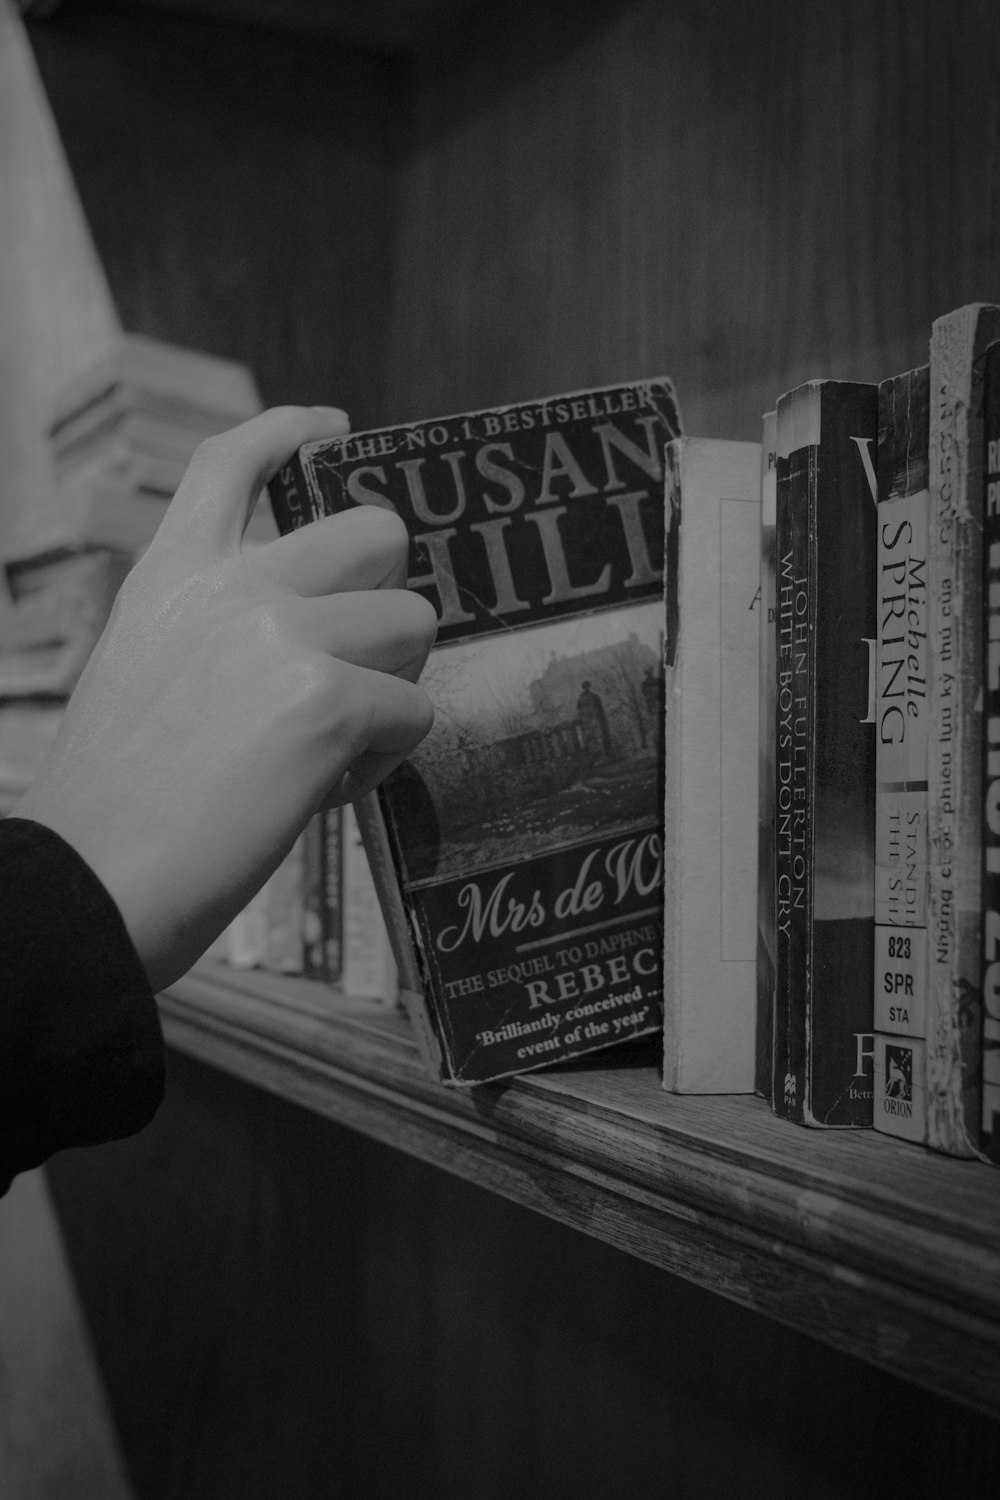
x=233, y=693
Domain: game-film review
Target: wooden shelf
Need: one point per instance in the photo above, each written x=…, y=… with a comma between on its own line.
x=886, y=1251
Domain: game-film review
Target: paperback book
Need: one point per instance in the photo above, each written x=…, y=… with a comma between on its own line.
x=519, y=852
x=990, y=1104
x=955, y=739
x=766, y=933
x=710, y=803
x=902, y=715
x=825, y=754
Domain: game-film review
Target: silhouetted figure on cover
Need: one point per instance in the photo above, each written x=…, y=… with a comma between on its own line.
x=593, y=723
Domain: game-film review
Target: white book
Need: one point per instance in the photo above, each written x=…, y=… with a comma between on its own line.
x=711, y=722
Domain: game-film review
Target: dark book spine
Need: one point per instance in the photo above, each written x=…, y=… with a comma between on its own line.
x=791, y=817
x=825, y=783
x=766, y=933
x=990, y=1035
x=293, y=497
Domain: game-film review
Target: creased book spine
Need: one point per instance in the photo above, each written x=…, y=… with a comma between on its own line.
x=825, y=757
x=990, y=1105
x=954, y=781
x=902, y=716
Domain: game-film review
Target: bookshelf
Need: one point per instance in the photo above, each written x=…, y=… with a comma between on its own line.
x=883, y=1250
x=426, y=218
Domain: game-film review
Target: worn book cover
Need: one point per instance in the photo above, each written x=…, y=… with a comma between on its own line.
x=519, y=852
x=955, y=742
x=990, y=1105
x=825, y=757
x=766, y=935
x=710, y=803
x=901, y=720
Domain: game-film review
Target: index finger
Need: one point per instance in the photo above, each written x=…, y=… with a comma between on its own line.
x=228, y=472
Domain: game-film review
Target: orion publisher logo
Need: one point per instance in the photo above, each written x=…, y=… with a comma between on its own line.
x=898, y=1098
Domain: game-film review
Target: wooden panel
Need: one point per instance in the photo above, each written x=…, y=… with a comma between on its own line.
x=284, y=1308
x=235, y=181
x=403, y=24
x=887, y=1251
x=741, y=196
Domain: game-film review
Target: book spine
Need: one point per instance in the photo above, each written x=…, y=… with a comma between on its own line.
x=313, y=899
x=989, y=1139
x=902, y=712
x=293, y=496
x=766, y=933
x=369, y=971
x=792, y=875
x=332, y=834
x=825, y=782
x=955, y=591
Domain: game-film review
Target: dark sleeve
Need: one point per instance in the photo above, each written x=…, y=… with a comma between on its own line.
x=81, y=1049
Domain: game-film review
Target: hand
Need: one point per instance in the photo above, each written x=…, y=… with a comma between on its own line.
x=232, y=693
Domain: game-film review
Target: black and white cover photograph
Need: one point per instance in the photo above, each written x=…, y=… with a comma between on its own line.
x=499, y=750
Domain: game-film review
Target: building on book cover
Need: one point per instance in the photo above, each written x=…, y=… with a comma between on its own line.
x=901, y=720
x=519, y=852
x=710, y=802
x=955, y=743
x=766, y=934
x=825, y=756
x=990, y=959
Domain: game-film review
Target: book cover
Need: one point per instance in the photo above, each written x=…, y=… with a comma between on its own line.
x=766, y=932
x=901, y=723
x=990, y=1075
x=710, y=802
x=520, y=853
x=955, y=773
x=825, y=756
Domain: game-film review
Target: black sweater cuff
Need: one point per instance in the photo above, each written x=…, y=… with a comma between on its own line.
x=81, y=1047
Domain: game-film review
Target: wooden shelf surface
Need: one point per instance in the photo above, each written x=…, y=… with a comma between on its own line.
x=884, y=1250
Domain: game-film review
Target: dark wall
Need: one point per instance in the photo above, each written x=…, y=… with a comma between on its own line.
x=236, y=182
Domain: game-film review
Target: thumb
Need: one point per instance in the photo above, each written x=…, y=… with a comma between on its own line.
x=210, y=510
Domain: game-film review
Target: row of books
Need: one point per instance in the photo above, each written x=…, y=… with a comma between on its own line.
x=593, y=826
x=318, y=916
x=879, y=889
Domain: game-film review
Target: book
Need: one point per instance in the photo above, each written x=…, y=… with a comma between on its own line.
x=313, y=897
x=825, y=755
x=766, y=932
x=322, y=917
x=59, y=605
x=902, y=717
x=710, y=801
x=368, y=968
x=519, y=851
x=989, y=1135
x=120, y=439
x=955, y=772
